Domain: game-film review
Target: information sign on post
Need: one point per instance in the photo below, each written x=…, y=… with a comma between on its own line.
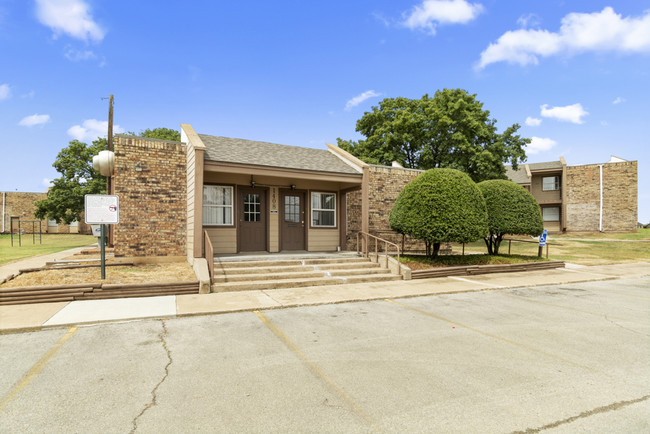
x=542, y=243
x=102, y=209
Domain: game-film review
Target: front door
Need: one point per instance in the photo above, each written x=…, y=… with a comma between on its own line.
x=292, y=221
x=252, y=220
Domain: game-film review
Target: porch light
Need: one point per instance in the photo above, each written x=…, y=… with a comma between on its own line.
x=253, y=184
x=293, y=186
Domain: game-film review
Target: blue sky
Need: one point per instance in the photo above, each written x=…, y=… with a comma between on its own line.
x=574, y=74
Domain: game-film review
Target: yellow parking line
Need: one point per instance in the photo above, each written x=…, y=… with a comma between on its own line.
x=517, y=344
x=38, y=366
x=315, y=369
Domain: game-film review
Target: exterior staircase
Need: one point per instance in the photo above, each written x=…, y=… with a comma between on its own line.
x=274, y=273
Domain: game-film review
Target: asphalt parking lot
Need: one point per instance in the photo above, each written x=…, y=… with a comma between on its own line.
x=561, y=358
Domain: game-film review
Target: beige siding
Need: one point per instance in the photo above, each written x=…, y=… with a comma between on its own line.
x=323, y=240
x=224, y=240
x=191, y=180
x=545, y=196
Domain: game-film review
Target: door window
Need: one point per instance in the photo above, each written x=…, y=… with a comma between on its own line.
x=252, y=208
x=292, y=209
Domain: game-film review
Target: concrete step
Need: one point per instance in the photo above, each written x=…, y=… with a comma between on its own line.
x=257, y=274
x=258, y=270
x=342, y=260
x=260, y=263
x=275, y=284
x=371, y=278
x=347, y=266
x=301, y=283
x=358, y=271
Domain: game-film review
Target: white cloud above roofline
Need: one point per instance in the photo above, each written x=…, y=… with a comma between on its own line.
x=70, y=17
x=570, y=113
x=431, y=13
x=604, y=31
x=353, y=102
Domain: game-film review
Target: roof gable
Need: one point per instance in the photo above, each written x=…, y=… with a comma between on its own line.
x=250, y=152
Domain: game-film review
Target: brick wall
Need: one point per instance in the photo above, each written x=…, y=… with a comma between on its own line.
x=21, y=205
x=150, y=180
x=619, y=197
x=385, y=184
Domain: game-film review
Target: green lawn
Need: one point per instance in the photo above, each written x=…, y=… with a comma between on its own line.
x=581, y=248
x=416, y=262
x=52, y=243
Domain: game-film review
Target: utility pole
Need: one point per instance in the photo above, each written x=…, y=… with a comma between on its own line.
x=109, y=146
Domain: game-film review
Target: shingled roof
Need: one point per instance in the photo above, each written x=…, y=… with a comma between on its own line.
x=519, y=176
x=239, y=151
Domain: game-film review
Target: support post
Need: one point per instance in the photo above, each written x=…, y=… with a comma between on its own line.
x=103, y=251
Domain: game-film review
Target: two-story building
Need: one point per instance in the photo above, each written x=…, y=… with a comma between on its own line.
x=591, y=197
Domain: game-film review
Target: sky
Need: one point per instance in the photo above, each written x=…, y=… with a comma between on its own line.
x=574, y=74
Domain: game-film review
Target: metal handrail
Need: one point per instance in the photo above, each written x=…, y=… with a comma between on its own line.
x=365, y=247
x=209, y=254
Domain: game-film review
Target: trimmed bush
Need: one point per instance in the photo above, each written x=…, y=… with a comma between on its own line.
x=511, y=210
x=439, y=206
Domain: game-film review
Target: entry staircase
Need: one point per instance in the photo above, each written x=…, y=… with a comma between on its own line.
x=274, y=272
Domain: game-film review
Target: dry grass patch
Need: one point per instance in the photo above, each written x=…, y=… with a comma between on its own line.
x=149, y=273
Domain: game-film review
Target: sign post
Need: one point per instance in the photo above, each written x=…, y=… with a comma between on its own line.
x=542, y=243
x=102, y=209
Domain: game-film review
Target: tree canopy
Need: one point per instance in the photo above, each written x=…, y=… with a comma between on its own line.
x=440, y=205
x=65, y=199
x=159, y=133
x=450, y=130
x=511, y=210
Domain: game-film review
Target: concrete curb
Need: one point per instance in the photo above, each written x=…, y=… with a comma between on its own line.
x=299, y=304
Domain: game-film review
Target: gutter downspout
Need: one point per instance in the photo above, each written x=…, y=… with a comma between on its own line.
x=601, y=198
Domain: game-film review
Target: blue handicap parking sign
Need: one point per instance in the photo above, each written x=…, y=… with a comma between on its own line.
x=542, y=239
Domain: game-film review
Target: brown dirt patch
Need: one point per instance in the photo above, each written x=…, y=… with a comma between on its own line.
x=153, y=273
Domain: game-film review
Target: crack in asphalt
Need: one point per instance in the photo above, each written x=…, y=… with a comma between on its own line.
x=625, y=328
x=154, y=397
x=584, y=414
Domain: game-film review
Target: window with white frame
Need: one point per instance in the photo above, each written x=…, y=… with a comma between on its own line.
x=323, y=210
x=217, y=205
x=550, y=183
x=551, y=214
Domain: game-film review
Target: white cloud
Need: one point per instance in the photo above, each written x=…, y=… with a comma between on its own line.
x=529, y=20
x=5, y=91
x=579, y=32
x=91, y=129
x=46, y=182
x=533, y=122
x=570, y=113
x=430, y=13
x=360, y=98
x=618, y=100
x=33, y=120
x=539, y=144
x=77, y=55
x=71, y=17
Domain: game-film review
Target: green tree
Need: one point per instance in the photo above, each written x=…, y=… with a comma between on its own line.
x=511, y=210
x=440, y=205
x=450, y=130
x=65, y=199
x=159, y=133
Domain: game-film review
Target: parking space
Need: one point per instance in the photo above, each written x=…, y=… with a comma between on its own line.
x=557, y=358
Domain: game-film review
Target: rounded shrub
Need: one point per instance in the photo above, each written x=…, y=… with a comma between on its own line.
x=440, y=205
x=511, y=210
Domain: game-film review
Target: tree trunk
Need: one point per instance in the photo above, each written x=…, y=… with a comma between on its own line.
x=436, y=249
x=497, y=242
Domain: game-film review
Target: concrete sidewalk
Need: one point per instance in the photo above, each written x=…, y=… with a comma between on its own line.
x=37, y=316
